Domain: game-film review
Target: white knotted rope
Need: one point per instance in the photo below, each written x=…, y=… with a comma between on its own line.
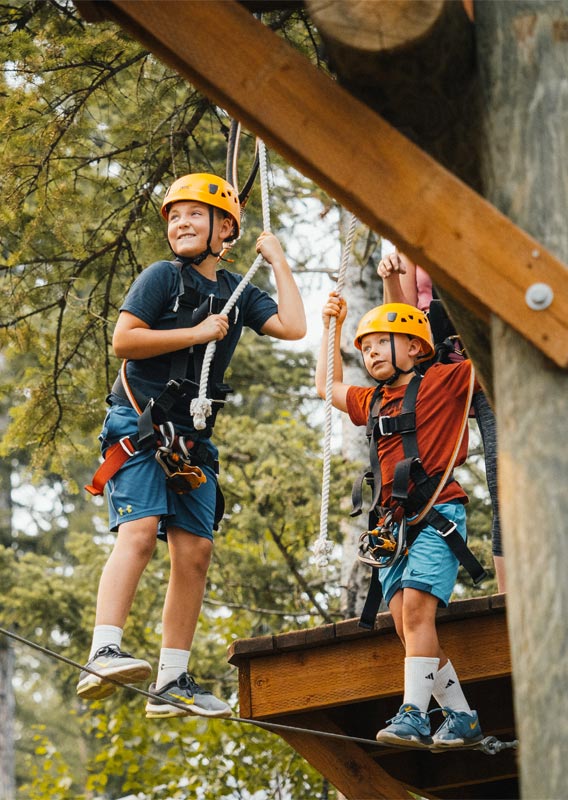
x=201, y=406
x=322, y=547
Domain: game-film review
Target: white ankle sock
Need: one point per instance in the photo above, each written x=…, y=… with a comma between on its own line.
x=103, y=635
x=419, y=679
x=173, y=663
x=448, y=691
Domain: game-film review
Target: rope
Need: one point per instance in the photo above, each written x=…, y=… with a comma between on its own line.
x=201, y=406
x=490, y=745
x=322, y=546
x=267, y=725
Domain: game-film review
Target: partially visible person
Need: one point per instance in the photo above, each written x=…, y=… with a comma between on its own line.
x=407, y=282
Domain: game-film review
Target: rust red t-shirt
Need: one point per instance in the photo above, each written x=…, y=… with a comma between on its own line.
x=439, y=413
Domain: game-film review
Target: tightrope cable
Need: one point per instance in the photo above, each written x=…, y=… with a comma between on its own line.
x=490, y=745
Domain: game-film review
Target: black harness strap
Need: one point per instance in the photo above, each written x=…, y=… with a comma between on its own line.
x=409, y=468
x=193, y=308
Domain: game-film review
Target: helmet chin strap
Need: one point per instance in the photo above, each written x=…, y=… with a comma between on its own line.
x=198, y=259
x=397, y=370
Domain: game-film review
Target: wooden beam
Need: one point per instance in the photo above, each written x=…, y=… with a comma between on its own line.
x=346, y=764
x=286, y=682
x=388, y=182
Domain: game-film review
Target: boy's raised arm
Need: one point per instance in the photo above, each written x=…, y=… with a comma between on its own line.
x=334, y=307
x=290, y=321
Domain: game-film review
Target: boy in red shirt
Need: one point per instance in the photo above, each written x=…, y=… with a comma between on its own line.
x=393, y=338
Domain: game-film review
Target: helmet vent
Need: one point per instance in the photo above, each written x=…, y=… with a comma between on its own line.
x=213, y=188
x=391, y=316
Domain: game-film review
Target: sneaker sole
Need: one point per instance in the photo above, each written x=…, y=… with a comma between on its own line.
x=95, y=688
x=168, y=712
x=459, y=744
x=397, y=741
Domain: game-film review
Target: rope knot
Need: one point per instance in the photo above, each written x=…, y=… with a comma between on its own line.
x=200, y=408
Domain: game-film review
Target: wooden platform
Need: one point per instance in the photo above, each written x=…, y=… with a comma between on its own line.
x=342, y=679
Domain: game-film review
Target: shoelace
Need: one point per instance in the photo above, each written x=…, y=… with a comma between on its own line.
x=111, y=650
x=186, y=681
x=423, y=715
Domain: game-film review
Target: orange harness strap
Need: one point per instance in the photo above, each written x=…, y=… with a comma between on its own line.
x=116, y=455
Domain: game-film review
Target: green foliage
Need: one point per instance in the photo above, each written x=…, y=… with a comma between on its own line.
x=93, y=129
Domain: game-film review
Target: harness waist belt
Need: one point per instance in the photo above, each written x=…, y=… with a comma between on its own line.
x=118, y=454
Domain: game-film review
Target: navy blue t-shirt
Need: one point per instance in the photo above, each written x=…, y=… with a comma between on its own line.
x=154, y=298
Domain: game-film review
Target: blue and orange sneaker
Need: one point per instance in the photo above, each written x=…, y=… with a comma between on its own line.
x=459, y=729
x=409, y=728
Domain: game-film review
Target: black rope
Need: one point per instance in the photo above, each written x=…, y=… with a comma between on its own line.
x=267, y=725
x=490, y=745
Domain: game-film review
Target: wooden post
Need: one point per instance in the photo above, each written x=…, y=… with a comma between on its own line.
x=523, y=57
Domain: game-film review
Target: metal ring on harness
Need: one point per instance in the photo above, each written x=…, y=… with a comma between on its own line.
x=173, y=454
x=381, y=547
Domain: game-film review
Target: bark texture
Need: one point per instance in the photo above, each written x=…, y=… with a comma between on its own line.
x=523, y=58
x=7, y=700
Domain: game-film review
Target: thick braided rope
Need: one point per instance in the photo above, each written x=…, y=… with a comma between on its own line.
x=322, y=546
x=201, y=406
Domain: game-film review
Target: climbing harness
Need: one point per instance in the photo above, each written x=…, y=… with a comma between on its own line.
x=392, y=531
x=180, y=457
x=381, y=547
x=201, y=406
x=490, y=745
x=322, y=547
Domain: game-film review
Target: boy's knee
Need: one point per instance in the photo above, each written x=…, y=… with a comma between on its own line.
x=202, y=558
x=416, y=614
x=139, y=539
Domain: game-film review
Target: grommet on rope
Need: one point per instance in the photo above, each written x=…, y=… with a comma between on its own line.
x=201, y=406
x=322, y=547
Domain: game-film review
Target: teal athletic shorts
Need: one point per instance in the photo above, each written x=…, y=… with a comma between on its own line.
x=430, y=565
x=139, y=488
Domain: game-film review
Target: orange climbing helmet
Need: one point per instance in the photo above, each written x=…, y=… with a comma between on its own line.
x=397, y=318
x=205, y=188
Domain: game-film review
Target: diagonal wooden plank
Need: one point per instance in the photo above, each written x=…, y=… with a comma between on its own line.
x=346, y=764
x=471, y=250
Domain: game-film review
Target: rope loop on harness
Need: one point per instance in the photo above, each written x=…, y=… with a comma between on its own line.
x=201, y=406
x=322, y=547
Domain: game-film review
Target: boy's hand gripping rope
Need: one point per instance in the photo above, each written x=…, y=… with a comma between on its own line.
x=322, y=547
x=201, y=407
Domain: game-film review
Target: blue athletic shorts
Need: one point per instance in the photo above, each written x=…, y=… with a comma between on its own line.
x=430, y=565
x=139, y=488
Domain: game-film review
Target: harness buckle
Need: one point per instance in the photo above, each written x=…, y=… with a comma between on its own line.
x=127, y=446
x=382, y=431
x=448, y=531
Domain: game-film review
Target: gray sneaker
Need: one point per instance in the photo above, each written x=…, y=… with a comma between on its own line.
x=111, y=661
x=184, y=697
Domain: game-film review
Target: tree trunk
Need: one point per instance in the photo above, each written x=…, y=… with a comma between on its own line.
x=523, y=58
x=7, y=703
x=7, y=778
